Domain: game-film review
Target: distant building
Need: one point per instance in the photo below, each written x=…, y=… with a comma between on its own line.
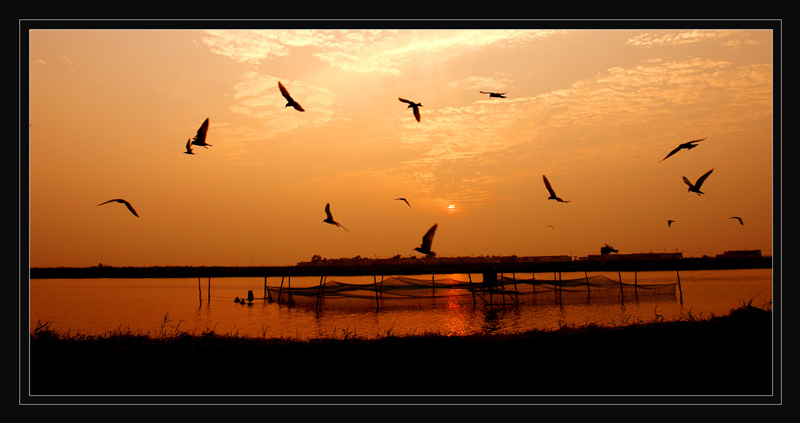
x=740, y=254
x=634, y=256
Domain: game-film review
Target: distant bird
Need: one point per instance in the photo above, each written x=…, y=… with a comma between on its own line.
x=553, y=195
x=550, y=226
x=491, y=94
x=289, y=99
x=188, y=147
x=330, y=220
x=669, y=223
x=127, y=204
x=200, y=138
x=698, y=184
x=403, y=199
x=412, y=105
x=607, y=249
x=739, y=219
x=427, y=240
x=687, y=145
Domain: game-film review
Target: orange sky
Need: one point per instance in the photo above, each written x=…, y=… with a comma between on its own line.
x=594, y=110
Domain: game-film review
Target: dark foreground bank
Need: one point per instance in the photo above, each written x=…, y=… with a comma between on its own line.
x=720, y=356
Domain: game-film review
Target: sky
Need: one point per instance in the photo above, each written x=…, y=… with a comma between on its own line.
x=594, y=110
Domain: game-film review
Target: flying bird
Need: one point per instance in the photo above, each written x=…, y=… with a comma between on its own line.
x=403, y=199
x=427, y=240
x=188, y=147
x=687, y=145
x=200, y=138
x=550, y=226
x=127, y=204
x=412, y=105
x=738, y=218
x=289, y=99
x=553, y=195
x=698, y=184
x=669, y=223
x=330, y=220
x=491, y=94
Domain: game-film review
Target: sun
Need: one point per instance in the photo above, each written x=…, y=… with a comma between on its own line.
x=451, y=207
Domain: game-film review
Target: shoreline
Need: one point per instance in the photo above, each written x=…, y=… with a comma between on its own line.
x=663, y=361
x=441, y=265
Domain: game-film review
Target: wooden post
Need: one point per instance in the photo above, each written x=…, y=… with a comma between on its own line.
x=280, y=290
x=636, y=285
x=199, y=290
x=471, y=289
x=677, y=272
x=588, y=287
x=265, y=288
x=208, y=294
x=319, y=292
x=377, y=302
x=621, y=293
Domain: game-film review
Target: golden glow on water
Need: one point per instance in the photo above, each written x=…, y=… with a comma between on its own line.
x=156, y=306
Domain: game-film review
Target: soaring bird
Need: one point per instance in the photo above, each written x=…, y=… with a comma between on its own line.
x=127, y=204
x=688, y=145
x=200, y=138
x=403, y=199
x=669, y=222
x=427, y=240
x=738, y=218
x=188, y=147
x=330, y=220
x=553, y=195
x=412, y=105
x=491, y=94
x=289, y=99
x=698, y=184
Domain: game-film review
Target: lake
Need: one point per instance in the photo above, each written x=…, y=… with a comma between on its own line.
x=166, y=306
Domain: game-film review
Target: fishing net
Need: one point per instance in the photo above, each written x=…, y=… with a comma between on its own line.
x=403, y=291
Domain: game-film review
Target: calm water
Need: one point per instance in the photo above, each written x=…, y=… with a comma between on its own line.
x=156, y=306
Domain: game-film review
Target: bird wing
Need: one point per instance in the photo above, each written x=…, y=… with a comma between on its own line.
x=416, y=113
x=128, y=205
x=677, y=149
x=405, y=101
x=427, y=239
x=285, y=92
x=201, y=132
x=698, y=140
x=547, y=185
x=328, y=211
x=189, y=145
x=404, y=199
x=702, y=179
x=106, y=202
x=687, y=182
x=297, y=106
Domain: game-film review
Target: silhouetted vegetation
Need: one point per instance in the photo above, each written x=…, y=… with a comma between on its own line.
x=407, y=266
x=719, y=355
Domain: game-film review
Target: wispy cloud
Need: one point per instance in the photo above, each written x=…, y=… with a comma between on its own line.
x=360, y=51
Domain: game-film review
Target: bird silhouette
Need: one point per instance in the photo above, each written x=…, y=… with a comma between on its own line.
x=330, y=220
x=669, y=223
x=607, y=249
x=404, y=199
x=688, y=145
x=427, y=240
x=550, y=226
x=200, y=138
x=119, y=200
x=412, y=105
x=188, y=147
x=491, y=94
x=698, y=184
x=553, y=195
x=739, y=219
x=289, y=99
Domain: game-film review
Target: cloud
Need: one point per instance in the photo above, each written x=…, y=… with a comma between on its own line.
x=382, y=52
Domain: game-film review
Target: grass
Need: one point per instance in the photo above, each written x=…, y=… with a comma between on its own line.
x=718, y=355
